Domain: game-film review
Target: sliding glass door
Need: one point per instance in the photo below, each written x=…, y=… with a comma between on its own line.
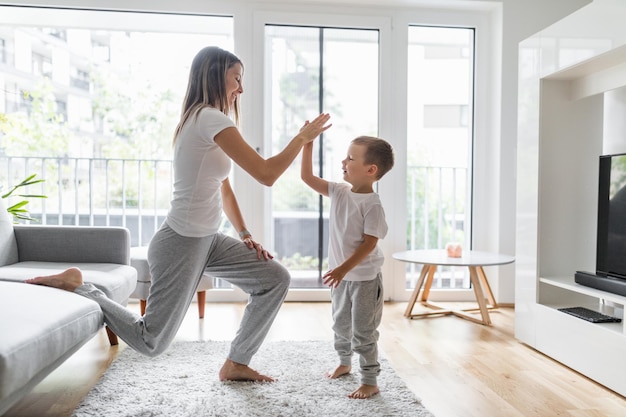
x=310, y=70
x=439, y=145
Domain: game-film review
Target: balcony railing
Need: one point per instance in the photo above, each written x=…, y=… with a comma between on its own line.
x=131, y=193
x=438, y=212
x=135, y=193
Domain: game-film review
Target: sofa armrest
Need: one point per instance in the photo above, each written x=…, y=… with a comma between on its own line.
x=54, y=243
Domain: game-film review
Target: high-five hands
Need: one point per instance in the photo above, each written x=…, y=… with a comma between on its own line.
x=312, y=129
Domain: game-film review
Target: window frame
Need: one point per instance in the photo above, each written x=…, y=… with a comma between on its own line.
x=484, y=200
x=263, y=142
x=393, y=31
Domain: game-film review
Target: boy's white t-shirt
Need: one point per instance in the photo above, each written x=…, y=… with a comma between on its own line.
x=351, y=216
x=200, y=166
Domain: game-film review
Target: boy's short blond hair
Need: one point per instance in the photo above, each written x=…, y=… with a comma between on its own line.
x=378, y=152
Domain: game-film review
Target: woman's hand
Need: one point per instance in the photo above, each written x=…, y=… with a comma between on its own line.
x=252, y=244
x=310, y=130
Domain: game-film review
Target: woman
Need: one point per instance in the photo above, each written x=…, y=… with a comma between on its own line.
x=188, y=243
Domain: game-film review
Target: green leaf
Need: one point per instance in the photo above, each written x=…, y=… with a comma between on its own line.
x=27, y=180
x=32, y=196
x=23, y=217
x=16, y=210
x=14, y=207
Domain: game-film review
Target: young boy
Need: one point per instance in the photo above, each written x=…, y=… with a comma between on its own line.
x=357, y=221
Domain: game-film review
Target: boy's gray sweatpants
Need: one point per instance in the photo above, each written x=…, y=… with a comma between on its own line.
x=357, y=311
x=176, y=266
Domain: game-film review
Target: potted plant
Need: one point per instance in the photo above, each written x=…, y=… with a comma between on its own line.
x=18, y=210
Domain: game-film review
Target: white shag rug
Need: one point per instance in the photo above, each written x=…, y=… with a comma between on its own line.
x=183, y=381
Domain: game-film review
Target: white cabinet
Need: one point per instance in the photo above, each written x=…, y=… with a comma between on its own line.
x=572, y=109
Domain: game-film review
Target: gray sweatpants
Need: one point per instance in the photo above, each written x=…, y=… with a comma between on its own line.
x=357, y=312
x=176, y=266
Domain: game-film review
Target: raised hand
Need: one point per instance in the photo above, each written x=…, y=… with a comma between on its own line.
x=312, y=129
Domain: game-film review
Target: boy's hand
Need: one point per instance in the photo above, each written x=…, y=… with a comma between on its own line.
x=312, y=129
x=333, y=277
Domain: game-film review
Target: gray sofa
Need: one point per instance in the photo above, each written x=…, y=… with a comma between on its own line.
x=40, y=327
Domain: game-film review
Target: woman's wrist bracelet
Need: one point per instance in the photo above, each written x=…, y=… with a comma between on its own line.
x=243, y=233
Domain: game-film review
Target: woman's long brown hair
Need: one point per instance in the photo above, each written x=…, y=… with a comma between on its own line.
x=207, y=85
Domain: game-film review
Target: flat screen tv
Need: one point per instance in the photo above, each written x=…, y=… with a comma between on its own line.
x=610, y=274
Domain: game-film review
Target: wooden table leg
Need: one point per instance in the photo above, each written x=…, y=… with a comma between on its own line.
x=416, y=291
x=427, y=276
x=479, y=283
x=486, y=287
x=429, y=282
x=480, y=299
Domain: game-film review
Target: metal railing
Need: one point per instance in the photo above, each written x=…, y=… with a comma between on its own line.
x=135, y=193
x=437, y=213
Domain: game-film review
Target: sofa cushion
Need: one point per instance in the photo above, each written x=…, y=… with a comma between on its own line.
x=46, y=326
x=8, y=246
x=116, y=281
x=139, y=261
x=54, y=243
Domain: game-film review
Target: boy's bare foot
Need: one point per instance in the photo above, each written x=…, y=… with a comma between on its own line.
x=233, y=371
x=364, y=391
x=340, y=371
x=68, y=280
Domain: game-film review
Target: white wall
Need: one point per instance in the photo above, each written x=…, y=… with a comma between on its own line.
x=614, y=122
x=495, y=154
x=520, y=19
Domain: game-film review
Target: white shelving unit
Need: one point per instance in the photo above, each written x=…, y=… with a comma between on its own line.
x=564, y=292
x=572, y=101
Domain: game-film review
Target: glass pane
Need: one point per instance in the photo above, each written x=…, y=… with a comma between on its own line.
x=439, y=145
x=311, y=70
x=99, y=107
x=86, y=94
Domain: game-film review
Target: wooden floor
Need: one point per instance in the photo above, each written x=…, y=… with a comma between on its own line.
x=458, y=368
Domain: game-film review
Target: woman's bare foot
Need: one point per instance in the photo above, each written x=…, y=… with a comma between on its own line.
x=233, y=371
x=364, y=391
x=68, y=280
x=340, y=371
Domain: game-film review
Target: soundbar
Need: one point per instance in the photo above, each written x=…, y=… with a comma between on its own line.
x=604, y=283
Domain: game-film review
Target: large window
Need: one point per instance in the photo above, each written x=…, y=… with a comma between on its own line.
x=105, y=89
x=121, y=89
x=439, y=145
x=90, y=106
x=310, y=70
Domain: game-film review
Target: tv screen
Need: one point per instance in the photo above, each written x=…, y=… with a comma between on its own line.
x=611, y=239
x=610, y=274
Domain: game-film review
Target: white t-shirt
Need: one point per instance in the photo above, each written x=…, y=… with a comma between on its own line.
x=351, y=216
x=200, y=166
